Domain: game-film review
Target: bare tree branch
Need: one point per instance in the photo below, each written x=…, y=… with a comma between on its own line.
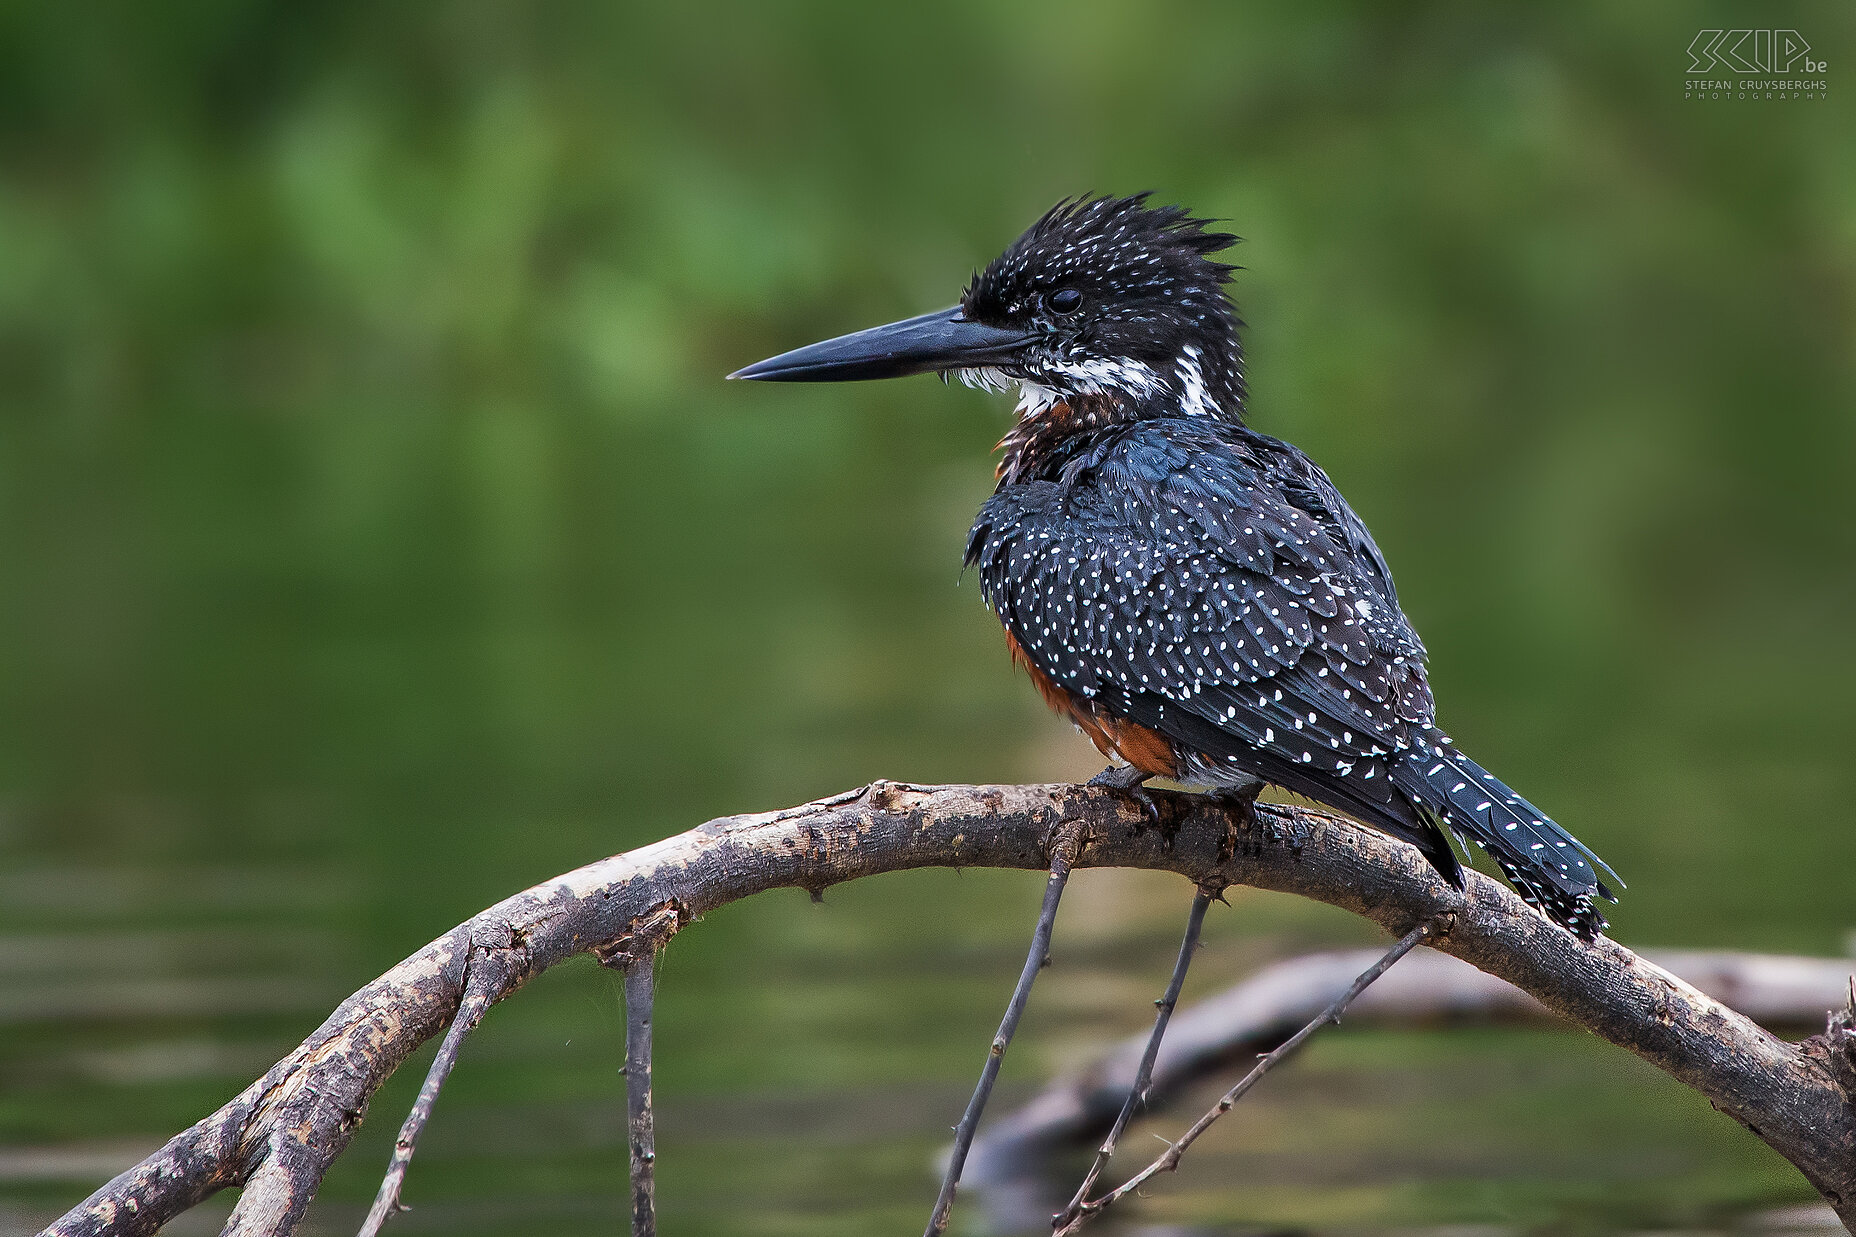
x=470, y=1013
x=636, y=956
x=279, y=1135
x=1150, y=1052
x=1076, y=1215
x=1064, y=848
x=1263, y=1009
x=641, y=1126
x=1017, y=1166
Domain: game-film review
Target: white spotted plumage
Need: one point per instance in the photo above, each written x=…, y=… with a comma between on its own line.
x=1165, y=565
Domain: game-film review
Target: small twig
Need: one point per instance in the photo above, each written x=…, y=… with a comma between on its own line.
x=634, y=955
x=639, y=996
x=1169, y=1160
x=478, y=993
x=1137, y=1096
x=1063, y=855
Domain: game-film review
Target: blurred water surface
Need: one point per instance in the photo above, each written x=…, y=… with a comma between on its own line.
x=380, y=539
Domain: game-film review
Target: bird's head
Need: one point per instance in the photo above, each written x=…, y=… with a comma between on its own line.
x=1106, y=302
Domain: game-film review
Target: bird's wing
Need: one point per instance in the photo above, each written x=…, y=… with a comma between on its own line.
x=1177, y=584
x=1181, y=582
x=1307, y=487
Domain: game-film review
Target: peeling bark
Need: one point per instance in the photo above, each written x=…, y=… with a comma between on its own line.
x=278, y=1137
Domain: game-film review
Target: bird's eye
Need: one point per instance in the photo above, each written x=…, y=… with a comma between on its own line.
x=1064, y=301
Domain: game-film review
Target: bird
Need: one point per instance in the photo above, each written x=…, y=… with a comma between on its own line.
x=1195, y=596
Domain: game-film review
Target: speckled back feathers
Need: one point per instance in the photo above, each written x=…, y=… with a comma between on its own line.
x=1164, y=565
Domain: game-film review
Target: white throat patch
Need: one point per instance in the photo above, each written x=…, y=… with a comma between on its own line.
x=1033, y=399
x=1102, y=377
x=984, y=379
x=1135, y=379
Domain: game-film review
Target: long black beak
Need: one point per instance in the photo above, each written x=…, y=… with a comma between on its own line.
x=940, y=340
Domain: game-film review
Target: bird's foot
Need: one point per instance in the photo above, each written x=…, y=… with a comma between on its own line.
x=1240, y=800
x=1131, y=783
x=1246, y=829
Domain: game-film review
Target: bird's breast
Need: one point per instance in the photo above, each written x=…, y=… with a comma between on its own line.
x=1115, y=737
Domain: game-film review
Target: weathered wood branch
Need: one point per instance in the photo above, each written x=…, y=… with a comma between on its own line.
x=1066, y=844
x=1168, y=1161
x=1017, y=1171
x=1140, y=1086
x=277, y=1137
x=636, y=957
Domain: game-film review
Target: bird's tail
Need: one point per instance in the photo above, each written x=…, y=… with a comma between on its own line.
x=1551, y=870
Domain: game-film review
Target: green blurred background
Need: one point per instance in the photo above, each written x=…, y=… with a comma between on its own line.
x=379, y=538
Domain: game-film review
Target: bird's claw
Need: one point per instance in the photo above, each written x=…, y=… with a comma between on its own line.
x=1241, y=803
x=1130, y=782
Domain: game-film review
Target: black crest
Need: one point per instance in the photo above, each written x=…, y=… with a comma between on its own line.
x=1109, y=281
x=1104, y=243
